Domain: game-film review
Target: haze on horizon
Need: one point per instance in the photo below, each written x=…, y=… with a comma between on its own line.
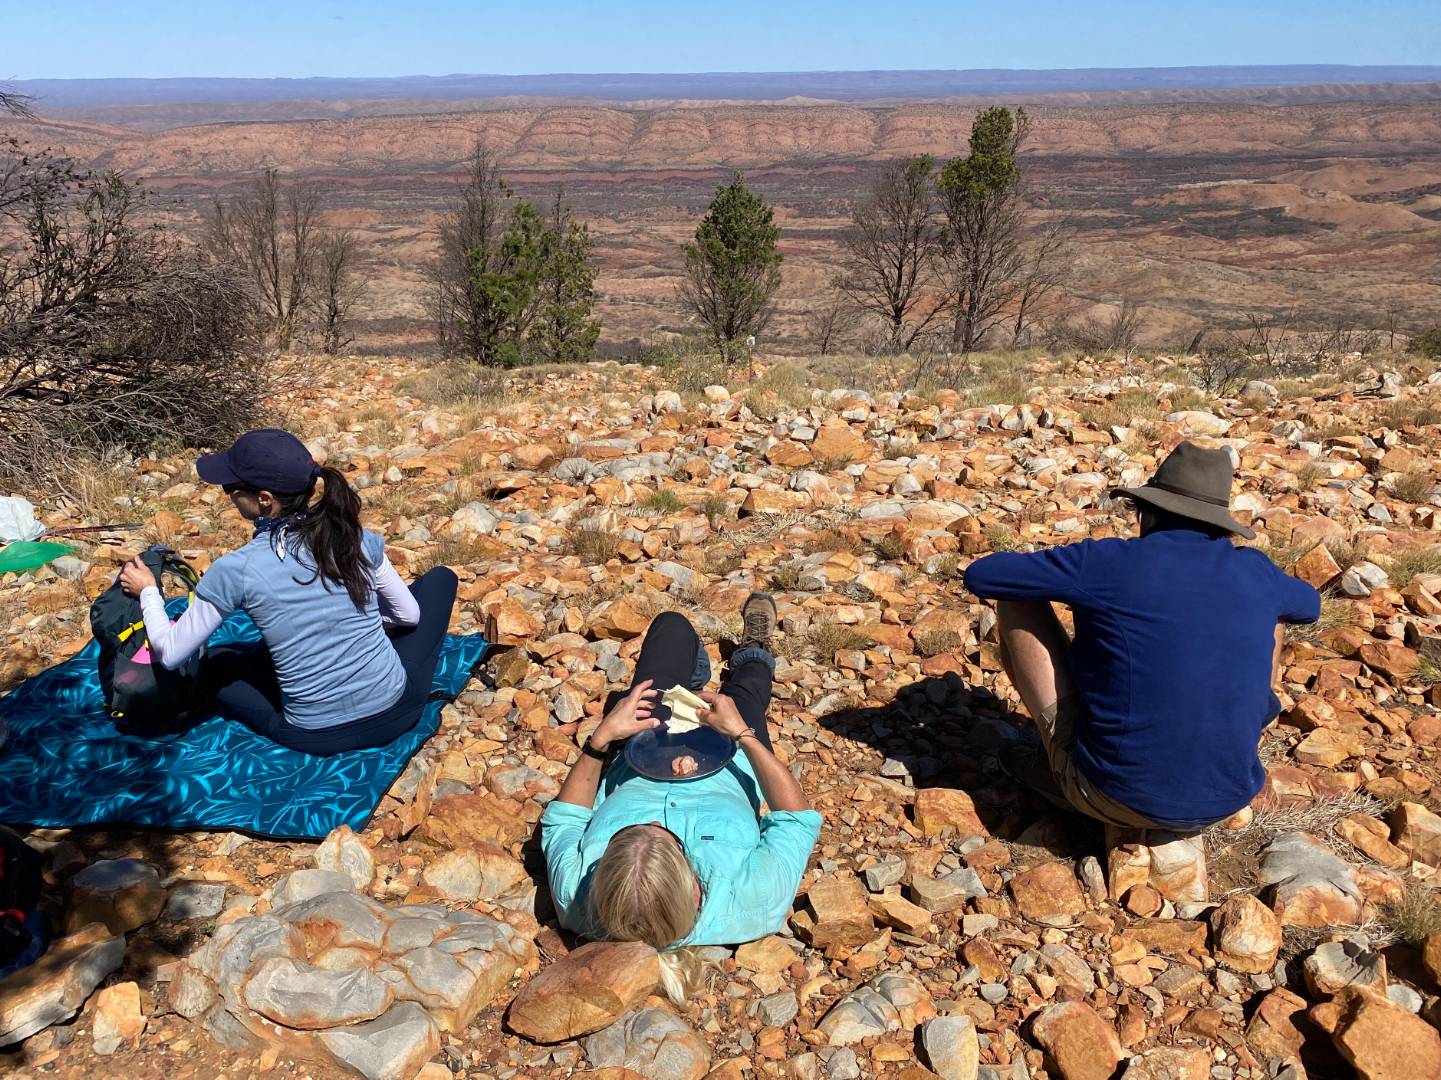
x=91, y=39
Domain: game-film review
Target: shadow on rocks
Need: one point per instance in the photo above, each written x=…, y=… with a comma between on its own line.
x=941, y=732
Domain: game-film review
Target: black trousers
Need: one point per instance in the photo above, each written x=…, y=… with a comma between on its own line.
x=243, y=685
x=668, y=658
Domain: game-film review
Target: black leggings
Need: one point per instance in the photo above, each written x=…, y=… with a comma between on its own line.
x=668, y=658
x=244, y=688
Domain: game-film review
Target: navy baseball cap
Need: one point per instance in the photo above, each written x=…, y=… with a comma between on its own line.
x=267, y=460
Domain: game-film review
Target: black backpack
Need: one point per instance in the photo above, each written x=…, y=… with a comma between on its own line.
x=137, y=690
x=20, y=883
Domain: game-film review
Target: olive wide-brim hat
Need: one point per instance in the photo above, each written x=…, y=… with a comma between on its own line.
x=1192, y=482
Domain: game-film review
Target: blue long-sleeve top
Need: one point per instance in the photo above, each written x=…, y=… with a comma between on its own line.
x=1174, y=638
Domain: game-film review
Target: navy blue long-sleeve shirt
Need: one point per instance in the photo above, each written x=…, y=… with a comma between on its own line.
x=1172, y=655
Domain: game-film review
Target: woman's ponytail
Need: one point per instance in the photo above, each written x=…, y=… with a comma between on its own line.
x=329, y=529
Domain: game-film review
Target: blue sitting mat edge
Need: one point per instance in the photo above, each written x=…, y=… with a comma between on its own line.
x=66, y=764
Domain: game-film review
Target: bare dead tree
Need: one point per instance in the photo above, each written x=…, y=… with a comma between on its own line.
x=1116, y=332
x=831, y=323
x=340, y=282
x=112, y=334
x=890, y=251
x=1047, y=265
x=21, y=105
x=272, y=233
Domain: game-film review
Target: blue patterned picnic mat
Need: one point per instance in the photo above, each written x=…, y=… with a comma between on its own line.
x=65, y=763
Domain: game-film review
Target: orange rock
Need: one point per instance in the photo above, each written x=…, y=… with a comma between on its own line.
x=1317, y=568
x=466, y=819
x=1391, y=659
x=946, y=811
x=1381, y=1041
x=1048, y=893
x=584, y=991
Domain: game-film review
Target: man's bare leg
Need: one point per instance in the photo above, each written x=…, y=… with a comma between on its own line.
x=1276, y=656
x=1035, y=653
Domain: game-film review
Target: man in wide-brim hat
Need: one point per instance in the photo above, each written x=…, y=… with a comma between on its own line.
x=1151, y=717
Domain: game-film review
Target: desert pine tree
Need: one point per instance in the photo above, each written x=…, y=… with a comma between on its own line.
x=483, y=280
x=732, y=269
x=565, y=329
x=982, y=240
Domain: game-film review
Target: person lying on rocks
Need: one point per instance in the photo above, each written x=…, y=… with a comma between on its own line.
x=348, y=653
x=1150, y=718
x=682, y=862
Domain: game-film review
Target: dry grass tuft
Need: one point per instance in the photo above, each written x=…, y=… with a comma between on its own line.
x=454, y=552
x=454, y=383
x=1407, y=565
x=1347, y=552
x=1428, y=671
x=664, y=501
x=828, y=638
x=1336, y=613
x=889, y=547
x=594, y=545
x=1414, y=487
x=1318, y=818
x=947, y=568
x=832, y=540
x=716, y=509
x=1415, y=917
x=1309, y=475
x=786, y=577
x=1002, y=538
x=99, y=493
x=935, y=642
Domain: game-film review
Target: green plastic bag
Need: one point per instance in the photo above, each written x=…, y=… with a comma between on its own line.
x=25, y=555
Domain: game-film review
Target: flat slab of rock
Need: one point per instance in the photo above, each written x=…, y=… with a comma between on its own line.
x=888, y=1003
x=298, y=995
x=300, y=885
x=1309, y=884
x=952, y=1046
x=586, y=990
x=195, y=900
x=54, y=987
x=654, y=1043
x=124, y=894
x=394, y=1047
x=1381, y=1041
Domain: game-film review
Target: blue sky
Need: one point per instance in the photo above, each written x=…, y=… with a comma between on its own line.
x=156, y=38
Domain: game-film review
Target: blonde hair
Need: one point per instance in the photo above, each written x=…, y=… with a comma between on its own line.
x=643, y=889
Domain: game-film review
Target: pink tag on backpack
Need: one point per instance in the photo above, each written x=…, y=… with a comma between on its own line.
x=142, y=655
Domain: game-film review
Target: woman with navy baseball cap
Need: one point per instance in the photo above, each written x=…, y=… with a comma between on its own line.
x=348, y=651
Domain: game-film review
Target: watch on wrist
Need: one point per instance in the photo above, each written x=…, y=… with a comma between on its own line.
x=591, y=752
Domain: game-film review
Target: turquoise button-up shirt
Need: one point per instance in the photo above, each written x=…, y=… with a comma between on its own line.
x=748, y=865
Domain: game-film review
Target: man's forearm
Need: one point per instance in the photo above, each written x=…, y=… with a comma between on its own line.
x=780, y=788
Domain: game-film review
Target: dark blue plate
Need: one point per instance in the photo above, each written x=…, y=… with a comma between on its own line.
x=651, y=752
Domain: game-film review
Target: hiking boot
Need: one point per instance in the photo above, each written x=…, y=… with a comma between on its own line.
x=758, y=618
x=1025, y=763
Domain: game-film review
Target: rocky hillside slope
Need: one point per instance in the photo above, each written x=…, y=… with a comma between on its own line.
x=947, y=925
x=725, y=137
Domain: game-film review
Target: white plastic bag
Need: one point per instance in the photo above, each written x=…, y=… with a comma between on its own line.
x=17, y=520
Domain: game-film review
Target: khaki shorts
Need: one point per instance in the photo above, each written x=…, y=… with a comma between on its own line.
x=1057, y=726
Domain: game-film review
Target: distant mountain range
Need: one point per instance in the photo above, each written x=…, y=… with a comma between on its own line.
x=58, y=96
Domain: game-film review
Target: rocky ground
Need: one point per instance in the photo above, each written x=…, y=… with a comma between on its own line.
x=948, y=923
